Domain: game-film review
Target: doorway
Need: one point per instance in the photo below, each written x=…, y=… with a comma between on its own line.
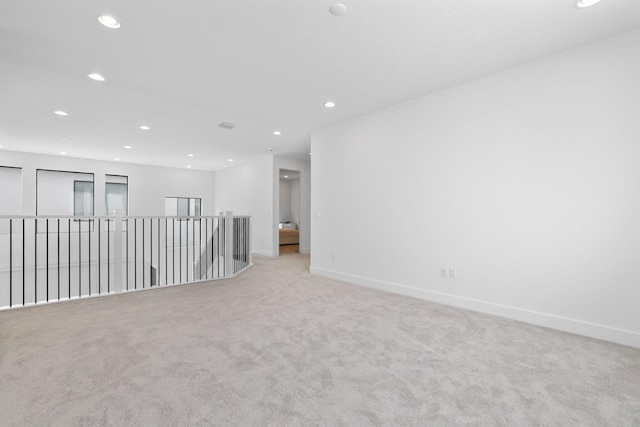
x=289, y=212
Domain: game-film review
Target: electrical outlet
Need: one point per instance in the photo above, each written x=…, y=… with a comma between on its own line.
x=443, y=272
x=452, y=273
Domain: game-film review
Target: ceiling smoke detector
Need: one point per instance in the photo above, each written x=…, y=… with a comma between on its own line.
x=338, y=9
x=225, y=125
x=581, y=4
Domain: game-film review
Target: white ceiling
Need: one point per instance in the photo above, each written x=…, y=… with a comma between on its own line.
x=182, y=67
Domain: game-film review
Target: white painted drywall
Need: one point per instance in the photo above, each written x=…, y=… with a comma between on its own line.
x=10, y=190
x=10, y=199
x=247, y=189
x=148, y=185
x=253, y=188
x=285, y=201
x=295, y=201
x=55, y=195
x=525, y=182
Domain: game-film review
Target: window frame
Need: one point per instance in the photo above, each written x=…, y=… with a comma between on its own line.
x=93, y=195
x=107, y=183
x=197, y=203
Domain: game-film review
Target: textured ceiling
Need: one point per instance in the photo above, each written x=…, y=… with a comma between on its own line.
x=182, y=67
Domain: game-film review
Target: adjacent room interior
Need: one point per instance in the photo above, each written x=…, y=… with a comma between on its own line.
x=289, y=222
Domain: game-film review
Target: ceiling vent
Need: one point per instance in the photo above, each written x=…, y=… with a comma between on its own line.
x=225, y=125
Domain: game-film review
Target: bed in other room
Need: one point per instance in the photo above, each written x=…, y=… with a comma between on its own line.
x=289, y=234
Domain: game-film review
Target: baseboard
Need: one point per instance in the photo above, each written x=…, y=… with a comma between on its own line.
x=578, y=327
x=124, y=292
x=264, y=253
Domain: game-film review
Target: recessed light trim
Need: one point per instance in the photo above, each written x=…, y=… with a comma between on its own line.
x=230, y=160
x=189, y=167
x=145, y=127
x=109, y=21
x=581, y=4
x=190, y=155
x=64, y=153
x=116, y=159
x=277, y=132
x=95, y=76
x=128, y=147
x=329, y=104
x=60, y=113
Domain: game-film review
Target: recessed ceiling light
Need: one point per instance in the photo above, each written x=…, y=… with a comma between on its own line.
x=61, y=113
x=109, y=21
x=338, y=9
x=277, y=132
x=64, y=153
x=286, y=176
x=189, y=167
x=230, y=160
x=581, y=4
x=116, y=158
x=145, y=127
x=128, y=147
x=95, y=76
x=329, y=104
x=189, y=155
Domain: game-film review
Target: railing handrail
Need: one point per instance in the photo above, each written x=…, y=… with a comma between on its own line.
x=114, y=217
x=48, y=258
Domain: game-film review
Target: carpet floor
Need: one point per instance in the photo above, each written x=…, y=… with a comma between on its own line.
x=277, y=346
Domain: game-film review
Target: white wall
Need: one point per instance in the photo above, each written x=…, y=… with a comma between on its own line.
x=304, y=221
x=148, y=185
x=10, y=197
x=253, y=188
x=10, y=190
x=525, y=182
x=55, y=192
x=247, y=189
x=295, y=201
x=285, y=201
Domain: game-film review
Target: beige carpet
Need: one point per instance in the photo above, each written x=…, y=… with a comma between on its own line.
x=277, y=346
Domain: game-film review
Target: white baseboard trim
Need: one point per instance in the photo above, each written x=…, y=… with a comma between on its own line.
x=578, y=327
x=124, y=292
x=264, y=253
